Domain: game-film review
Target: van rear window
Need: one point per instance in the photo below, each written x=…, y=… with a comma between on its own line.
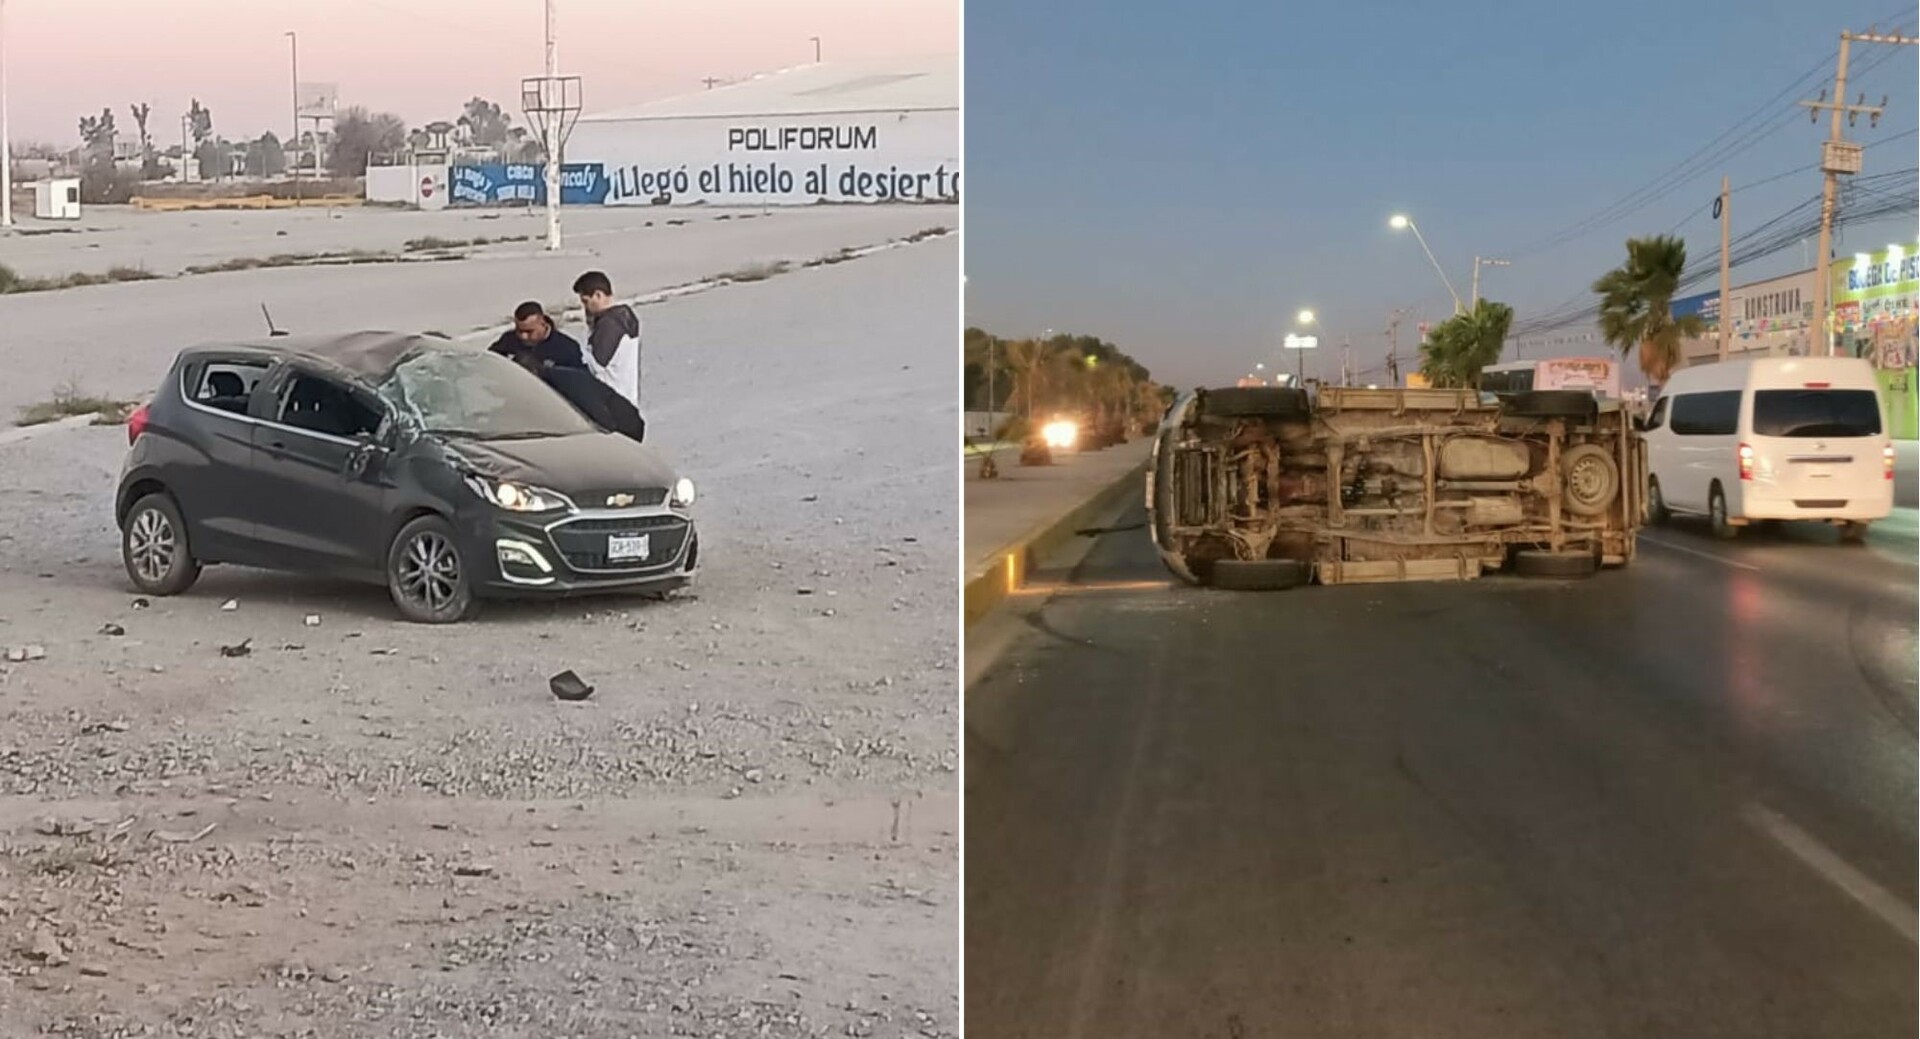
x=1816, y=413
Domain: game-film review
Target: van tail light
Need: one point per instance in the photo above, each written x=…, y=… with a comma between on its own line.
x=1746, y=462
x=1887, y=453
x=137, y=424
x=1819, y=385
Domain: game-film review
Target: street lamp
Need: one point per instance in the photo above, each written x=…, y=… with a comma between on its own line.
x=1403, y=222
x=1305, y=343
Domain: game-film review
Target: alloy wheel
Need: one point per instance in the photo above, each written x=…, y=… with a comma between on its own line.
x=430, y=571
x=152, y=544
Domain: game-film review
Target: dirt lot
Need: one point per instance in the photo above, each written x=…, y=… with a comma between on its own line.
x=365, y=828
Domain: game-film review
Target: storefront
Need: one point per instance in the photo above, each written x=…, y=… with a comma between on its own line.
x=1876, y=300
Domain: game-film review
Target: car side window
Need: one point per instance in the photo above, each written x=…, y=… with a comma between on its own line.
x=320, y=405
x=1715, y=414
x=1659, y=416
x=225, y=385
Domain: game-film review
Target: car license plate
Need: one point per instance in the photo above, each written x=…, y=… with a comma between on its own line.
x=629, y=546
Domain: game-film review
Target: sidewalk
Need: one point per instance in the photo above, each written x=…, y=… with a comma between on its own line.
x=1000, y=513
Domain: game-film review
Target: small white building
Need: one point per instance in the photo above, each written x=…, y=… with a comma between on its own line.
x=874, y=131
x=57, y=199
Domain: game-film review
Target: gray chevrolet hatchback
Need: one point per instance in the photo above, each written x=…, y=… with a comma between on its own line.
x=445, y=472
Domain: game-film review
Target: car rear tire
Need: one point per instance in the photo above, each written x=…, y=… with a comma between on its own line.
x=1657, y=512
x=1571, y=404
x=1283, y=402
x=153, y=545
x=426, y=575
x=1530, y=562
x=1592, y=479
x=1717, y=518
x=1259, y=575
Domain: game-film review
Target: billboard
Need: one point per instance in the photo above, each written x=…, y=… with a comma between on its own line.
x=498, y=183
x=316, y=100
x=1876, y=300
x=909, y=156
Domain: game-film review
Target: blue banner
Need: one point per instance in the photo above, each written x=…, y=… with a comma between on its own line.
x=524, y=183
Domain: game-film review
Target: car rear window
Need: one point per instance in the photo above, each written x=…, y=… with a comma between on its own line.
x=1816, y=413
x=1715, y=414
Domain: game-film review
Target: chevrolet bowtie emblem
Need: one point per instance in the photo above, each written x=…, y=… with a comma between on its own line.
x=619, y=501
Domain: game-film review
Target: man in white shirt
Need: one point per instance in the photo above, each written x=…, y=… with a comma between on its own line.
x=613, y=336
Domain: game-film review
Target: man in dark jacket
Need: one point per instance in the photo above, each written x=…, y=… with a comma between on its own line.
x=533, y=331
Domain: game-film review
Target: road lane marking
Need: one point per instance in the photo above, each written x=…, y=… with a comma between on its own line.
x=1697, y=552
x=1878, y=900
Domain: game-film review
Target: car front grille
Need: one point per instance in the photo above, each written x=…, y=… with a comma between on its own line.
x=646, y=497
x=583, y=543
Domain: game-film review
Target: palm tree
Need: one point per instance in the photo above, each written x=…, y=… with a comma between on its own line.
x=1028, y=360
x=1636, y=305
x=1461, y=347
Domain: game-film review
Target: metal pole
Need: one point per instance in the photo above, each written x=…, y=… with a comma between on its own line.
x=1422, y=239
x=1820, y=331
x=1727, y=269
x=816, y=50
x=553, y=138
x=293, y=41
x=6, y=141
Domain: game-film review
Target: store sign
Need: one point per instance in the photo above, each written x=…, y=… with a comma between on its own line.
x=581, y=184
x=908, y=157
x=1876, y=301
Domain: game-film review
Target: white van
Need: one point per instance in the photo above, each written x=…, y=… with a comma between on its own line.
x=1780, y=438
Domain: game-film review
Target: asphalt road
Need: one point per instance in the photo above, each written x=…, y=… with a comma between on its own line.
x=1676, y=800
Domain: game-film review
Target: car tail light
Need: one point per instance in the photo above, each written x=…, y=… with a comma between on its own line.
x=1746, y=462
x=136, y=424
x=1887, y=453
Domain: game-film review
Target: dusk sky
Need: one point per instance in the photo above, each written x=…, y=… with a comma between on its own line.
x=418, y=58
x=1181, y=179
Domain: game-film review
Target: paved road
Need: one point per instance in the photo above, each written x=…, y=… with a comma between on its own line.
x=1677, y=800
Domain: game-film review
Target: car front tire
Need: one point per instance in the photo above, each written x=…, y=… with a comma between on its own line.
x=153, y=545
x=427, y=576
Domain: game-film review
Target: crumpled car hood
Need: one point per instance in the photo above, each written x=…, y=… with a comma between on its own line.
x=587, y=462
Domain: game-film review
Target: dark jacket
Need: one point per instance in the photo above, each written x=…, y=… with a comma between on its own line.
x=597, y=401
x=559, y=349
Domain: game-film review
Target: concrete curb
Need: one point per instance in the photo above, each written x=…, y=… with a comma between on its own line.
x=990, y=584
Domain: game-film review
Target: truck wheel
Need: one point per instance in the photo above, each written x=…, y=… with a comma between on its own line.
x=1657, y=512
x=1260, y=575
x=1573, y=404
x=1717, y=518
x=1256, y=402
x=1592, y=479
x=1540, y=563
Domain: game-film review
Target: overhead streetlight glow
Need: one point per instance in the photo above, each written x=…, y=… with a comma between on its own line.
x=1305, y=317
x=1399, y=222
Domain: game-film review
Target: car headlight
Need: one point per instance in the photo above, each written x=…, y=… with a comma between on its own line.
x=682, y=492
x=517, y=497
x=1060, y=434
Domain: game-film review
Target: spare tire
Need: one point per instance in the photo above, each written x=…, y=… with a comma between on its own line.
x=1259, y=575
x=1529, y=562
x=1592, y=480
x=1574, y=404
x=1284, y=402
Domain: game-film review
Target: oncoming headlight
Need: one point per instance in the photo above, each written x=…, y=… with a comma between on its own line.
x=1059, y=434
x=517, y=497
x=682, y=492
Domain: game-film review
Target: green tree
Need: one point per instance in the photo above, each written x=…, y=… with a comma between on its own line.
x=484, y=123
x=359, y=134
x=1636, y=305
x=266, y=157
x=98, y=133
x=1461, y=347
x=199, y=122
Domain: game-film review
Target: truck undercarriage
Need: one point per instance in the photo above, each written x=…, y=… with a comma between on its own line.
x=1266, y=487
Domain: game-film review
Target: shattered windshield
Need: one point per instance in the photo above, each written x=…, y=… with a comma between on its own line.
x=471, y=393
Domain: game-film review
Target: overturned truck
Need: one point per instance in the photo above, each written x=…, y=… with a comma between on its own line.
x=1259, y=488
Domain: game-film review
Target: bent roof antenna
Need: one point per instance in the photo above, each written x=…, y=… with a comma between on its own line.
x=271, y=331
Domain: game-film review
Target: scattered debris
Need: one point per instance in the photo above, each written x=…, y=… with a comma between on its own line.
x=313, y=620
x=568, y=686
x=22, y=654
x=45, y=947
x=473, y=869
x=52, y=827
x=230, y=605
x=113, y=629
x=93, y=970
x=179, y=837
x=141, y=604
x=240, y=649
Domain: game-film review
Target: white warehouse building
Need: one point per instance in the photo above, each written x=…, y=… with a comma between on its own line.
x=877, y=131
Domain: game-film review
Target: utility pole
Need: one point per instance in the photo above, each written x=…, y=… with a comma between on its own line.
x=1838, y=157
x=293, y=41
x=1725, y=204
x=6, y=141
x=711, y=82
x=816, y=50
x=1479, y=262
x=553, y=142
x=1346, y=361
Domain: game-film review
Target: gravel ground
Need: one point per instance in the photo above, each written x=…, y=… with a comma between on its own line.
x=750, y=830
